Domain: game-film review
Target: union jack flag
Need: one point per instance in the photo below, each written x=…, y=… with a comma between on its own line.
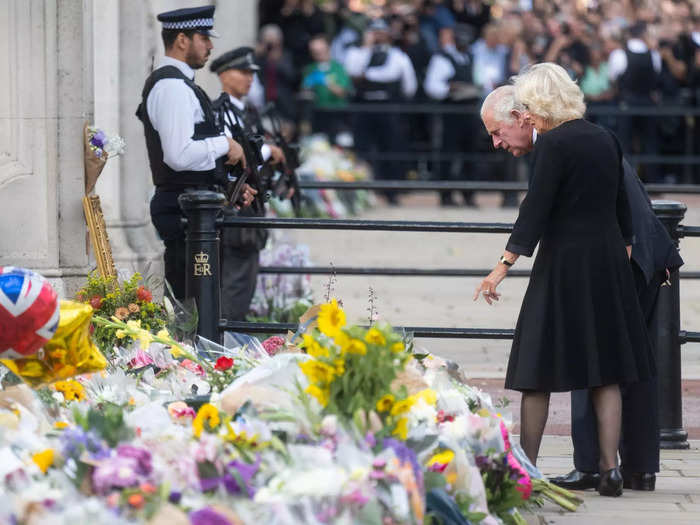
x=29, y=312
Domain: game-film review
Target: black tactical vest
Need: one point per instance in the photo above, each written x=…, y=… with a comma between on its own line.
x=164, y=175
x=463, y=72
x=371, y=91
x=639, y=79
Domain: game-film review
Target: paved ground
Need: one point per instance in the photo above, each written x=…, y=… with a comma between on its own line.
x=447, y=301
x=676, y=499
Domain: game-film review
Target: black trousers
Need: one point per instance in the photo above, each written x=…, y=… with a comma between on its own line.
x=639, y=443
x=239, y=276
x=374, y=134
x=167, y=219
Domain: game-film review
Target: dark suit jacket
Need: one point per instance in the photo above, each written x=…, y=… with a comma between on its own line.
x=653, y=249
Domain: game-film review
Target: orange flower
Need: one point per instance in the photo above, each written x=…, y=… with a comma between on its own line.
x=136, y=500
x=133, y=308
x=121, y=313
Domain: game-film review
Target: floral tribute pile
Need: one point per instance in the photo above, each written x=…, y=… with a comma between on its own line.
x=323, y=162
x=340, y=424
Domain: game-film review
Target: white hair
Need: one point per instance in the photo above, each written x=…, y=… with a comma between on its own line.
x=501, y=102
x=546, y=90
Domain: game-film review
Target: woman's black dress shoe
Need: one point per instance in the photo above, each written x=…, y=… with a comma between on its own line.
x=611, y=483
x=639, y=480
x=577, y=480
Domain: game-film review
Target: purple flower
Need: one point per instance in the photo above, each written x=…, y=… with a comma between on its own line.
x=98, y=139
x=405, y=454
x=142, y=457
x=245, y=473
x=175, y=497
x=356, y=496
x=117, y=471
x=207, y=484
x=370, y=440
x=75, y=441
x=207, y=516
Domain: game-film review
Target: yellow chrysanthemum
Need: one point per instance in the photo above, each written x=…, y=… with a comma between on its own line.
x=401, y=429
x=375, y=337
x=320, y=394
x=318, y=372
x=43, y=459
x=71, y=390
x=385, y=403
x=397, y=347
x=401, y=407
x=207, y=414
x=341, y=339
x=331, y=318
x=313, y=348
x=60, y=425
x=441, y=458
x=355, y=346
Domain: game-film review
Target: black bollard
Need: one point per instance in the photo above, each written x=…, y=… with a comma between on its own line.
x=665, y=334
x=203, y=281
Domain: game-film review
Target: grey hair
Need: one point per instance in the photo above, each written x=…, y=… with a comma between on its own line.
x=272, y=30
x=501, y=101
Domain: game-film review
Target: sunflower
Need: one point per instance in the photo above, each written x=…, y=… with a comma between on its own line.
x=385, y=403
x=321, y=394
x=375, y=337
x=331, y=318
x=207, y=414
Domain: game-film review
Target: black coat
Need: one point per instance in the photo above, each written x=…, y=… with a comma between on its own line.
x=653, y=249
x=580, y=323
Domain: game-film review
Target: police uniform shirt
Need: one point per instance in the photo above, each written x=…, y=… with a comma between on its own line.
x=174, y=110
x=397, y=67
x=617, y=64
x=440, y=71
x=240, y=105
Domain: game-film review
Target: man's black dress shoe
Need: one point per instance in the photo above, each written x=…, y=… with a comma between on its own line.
x=611, y=483
x=576, y=480
x=639, y=480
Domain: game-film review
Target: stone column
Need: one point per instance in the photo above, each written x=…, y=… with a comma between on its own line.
x=45, y=97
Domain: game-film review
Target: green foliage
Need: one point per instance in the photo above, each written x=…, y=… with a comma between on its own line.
x=107, y=421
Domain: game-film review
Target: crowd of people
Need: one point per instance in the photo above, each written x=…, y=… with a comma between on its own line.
x=328, y=53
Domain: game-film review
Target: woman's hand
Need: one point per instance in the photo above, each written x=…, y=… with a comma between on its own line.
x=487, y=288
x=629, y=251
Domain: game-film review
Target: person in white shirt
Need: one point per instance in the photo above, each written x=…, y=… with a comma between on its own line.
x=381, y=73
x=635, y=71
x=240, y=247
x=183, y=143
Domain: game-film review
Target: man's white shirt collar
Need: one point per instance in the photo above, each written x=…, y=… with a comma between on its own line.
x=237, y=102
x=534, y=136
x=182, y=66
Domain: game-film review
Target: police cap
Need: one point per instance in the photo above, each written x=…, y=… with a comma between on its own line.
x=239, y=58
x=200, y=19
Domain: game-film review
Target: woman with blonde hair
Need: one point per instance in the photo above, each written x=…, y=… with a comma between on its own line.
x=580, y=324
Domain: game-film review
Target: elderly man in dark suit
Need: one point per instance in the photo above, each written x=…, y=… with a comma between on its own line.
x=653, y=255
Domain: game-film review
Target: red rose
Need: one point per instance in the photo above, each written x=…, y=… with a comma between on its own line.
x=96, y=302
x=223, y=363
x=144, y=294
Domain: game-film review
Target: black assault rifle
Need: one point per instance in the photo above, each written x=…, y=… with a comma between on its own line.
x=288, y=179
x=237, y=176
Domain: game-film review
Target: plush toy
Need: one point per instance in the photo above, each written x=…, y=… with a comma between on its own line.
x=29, y=312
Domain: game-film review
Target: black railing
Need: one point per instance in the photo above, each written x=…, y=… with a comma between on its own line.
x=203, y=207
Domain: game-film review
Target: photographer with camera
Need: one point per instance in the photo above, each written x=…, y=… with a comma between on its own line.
x=240, y=247
x=184, y=145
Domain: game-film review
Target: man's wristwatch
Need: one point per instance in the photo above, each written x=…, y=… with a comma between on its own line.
x=505, y=261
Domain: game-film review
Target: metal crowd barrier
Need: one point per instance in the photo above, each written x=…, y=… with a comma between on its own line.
x=434, y=152
x=203, y=209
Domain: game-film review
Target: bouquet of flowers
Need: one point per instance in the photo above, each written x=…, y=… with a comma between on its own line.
x=98, y=148
x=126, y=301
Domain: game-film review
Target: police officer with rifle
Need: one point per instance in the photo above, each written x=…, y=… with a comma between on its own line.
x=186, y=149
x=240, y=247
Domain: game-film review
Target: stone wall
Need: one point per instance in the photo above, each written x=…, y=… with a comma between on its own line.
x=68, y=62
